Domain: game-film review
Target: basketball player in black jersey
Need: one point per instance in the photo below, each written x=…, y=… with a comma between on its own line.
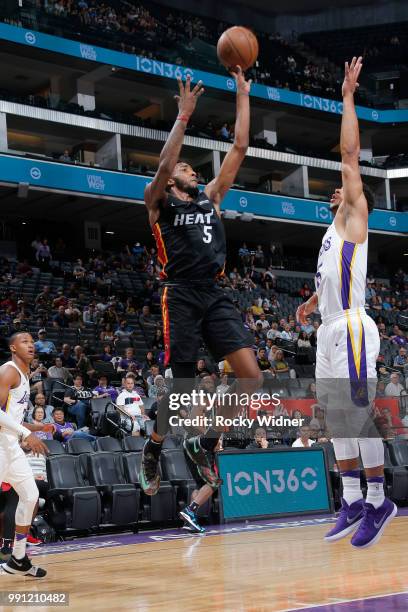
x=191, y=248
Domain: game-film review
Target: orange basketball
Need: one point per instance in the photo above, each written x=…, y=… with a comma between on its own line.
x=237, y=46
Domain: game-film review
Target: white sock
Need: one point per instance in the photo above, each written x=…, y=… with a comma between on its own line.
x=351, y=489
x=375, y=492
x=19, y=547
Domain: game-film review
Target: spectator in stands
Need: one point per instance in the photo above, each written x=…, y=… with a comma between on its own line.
x=40, y=403
x=60, y=320
x=43, y=255
x=155, y=371
x=90, y=315
x=158, y=387
x=128, y=359
x=107, y=354
x=223, y=386
x=66, y=157
x=303, y=340
x=244, y=255
x=274, y=332
x=38, y=372
x=260, y=332
x=104, y=389
x=279, y=365
x=398, y=336
x=107, y=334
x=58, y=371
x=263, y=321
x=42, y=345
x=286, y=333
x=401, y=361
x=259, y=441
x=303, y=441
x=259, y=257
x=146, y=320
x=158, y=342
x=311, y=391
x=67, y=359
x=124, y=331
x=83, y=364
x=131, y=404
x=270, y=281
x=380, y=391
x=76, y=407
x=305, y=292
x=394, y=387
x=38, y=417
x=308, y=327
x=263, y=362
x=64, y=430
x=318, y=422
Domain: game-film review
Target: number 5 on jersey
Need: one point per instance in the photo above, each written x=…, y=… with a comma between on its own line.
x=207, y=237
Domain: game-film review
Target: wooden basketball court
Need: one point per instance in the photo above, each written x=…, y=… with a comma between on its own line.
x=288, y=568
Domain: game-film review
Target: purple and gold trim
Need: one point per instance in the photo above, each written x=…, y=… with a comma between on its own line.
x=5, y=407
x=357, y=363
x=347, y=256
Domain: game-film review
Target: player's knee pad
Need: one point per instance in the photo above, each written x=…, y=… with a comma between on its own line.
x=27, y=492
x=345, y=448
x=372, y=452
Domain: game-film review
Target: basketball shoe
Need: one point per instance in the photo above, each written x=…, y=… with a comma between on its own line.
x=22, y=567
x=373, y=524
x=191, y=520
x=348, y=520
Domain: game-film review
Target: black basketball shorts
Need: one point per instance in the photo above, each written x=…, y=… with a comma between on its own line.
x=191, y=313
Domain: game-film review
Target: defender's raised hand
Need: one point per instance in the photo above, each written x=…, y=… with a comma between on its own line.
x=351, y=74
x=243, y=86
x=187, y=98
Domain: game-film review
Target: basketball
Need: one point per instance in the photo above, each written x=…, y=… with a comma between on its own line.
x=237, y=46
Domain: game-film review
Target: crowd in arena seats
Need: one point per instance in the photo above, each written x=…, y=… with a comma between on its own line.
x=154, y=31
x=98, y=338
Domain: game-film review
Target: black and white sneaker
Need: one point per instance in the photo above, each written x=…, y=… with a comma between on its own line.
x=22, y=567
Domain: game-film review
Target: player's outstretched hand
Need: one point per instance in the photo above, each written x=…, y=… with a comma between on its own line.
x=243, y=86
x=36, y=445
x=351, y=74
x=187, y=98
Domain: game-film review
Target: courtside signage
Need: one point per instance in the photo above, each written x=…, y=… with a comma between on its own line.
x=172, y=71
x=273, y=482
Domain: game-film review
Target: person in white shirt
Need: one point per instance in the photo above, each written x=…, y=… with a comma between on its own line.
x=287, y=334
x=130, y=402
x=262, y=320
x=303, y=441
x=394, y=388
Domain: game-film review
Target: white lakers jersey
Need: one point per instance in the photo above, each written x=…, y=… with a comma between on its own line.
x=341, y=274
x=17, y=401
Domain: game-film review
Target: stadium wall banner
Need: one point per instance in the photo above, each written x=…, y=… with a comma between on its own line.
x=163, y=69
x=110, y=184
x=273, y=482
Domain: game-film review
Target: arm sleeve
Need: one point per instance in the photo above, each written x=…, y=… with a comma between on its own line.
x=10, y=424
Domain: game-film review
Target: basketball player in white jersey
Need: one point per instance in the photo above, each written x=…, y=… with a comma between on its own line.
x=14, y=467
x=348, y=341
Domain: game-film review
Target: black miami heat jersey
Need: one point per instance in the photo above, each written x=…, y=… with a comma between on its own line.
x=190, y=240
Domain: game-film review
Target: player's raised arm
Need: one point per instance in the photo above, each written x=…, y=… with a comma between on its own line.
x=356, y=210
x=186, y=100
x=219, y=186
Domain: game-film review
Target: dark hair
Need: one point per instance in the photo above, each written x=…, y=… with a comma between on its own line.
x=78, y=375
x=58, y=408
x=35, y=410
x=369, y=196
x=13, y=337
